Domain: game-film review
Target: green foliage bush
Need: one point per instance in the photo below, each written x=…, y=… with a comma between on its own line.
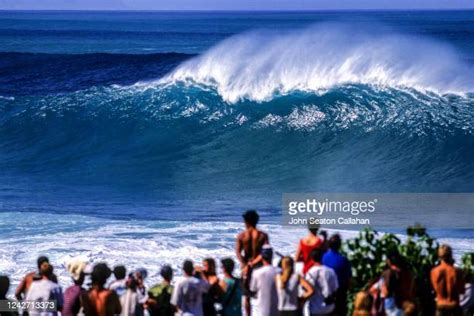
x=468, y=265
x=367, y=255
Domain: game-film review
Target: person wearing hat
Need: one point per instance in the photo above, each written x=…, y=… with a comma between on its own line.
x=248, y=249
x=72, y=295
x=159, y=302
x=263, y=283
x=448, y=284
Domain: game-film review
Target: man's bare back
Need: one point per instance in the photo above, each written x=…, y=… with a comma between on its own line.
x=250, y=243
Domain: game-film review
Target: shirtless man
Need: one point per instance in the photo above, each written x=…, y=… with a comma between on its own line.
x=248, y=249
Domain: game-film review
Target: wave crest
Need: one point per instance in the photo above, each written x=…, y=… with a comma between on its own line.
x=261, y=64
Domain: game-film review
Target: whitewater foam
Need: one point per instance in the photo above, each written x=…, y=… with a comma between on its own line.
x=261, y=64
x=138, y=243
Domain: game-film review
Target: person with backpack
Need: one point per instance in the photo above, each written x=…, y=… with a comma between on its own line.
x=231, y=291
x=325, y=284
x=159, y=301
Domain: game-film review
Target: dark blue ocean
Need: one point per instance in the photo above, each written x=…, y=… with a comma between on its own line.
x=162, y=117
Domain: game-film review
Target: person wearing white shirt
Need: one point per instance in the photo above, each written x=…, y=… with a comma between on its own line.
x=325, y=284
x=264, y=285
x=43, y=290
x=187, y=294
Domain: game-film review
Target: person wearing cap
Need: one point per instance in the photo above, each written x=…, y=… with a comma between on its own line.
x=72, y=295
x=448, y=283
x=43, y=289
x=159, y=302
x=187, y=295
x=248, y=250
x=43, y=265
x=264, y=286
x=99, y=301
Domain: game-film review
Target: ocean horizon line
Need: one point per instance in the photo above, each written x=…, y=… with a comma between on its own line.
x=283, y=11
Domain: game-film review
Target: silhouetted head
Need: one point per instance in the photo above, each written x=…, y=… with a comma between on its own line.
x=267, y=254
x=335, y=242
x=166, y=273
x=445, y=253
x=120, y=272
x=209, y=266
x=100, y=274
x=141, y=274
x=188, y=267
x=394, y=257
x=4, y=285
x=47, y=271
x=42, y=263
x=228, y=265
x=251, y=218
x=313, y=229
x=132, y=282
x=317, y=255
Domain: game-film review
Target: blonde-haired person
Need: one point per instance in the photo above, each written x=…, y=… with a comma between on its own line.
x=362, y=304
x=288, y=282
x=448, y=283
x=72, y=296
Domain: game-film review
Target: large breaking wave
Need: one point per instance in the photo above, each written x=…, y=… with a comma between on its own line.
x=261, y=64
